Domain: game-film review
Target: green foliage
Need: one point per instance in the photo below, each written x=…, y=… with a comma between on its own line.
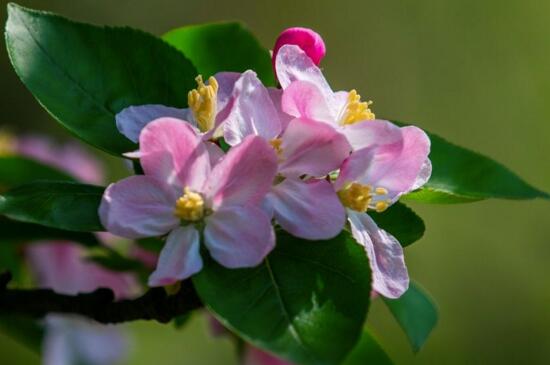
x=63, y=205
x=24, y=330
x=402, y=222
x=84, y=74
x=17, y=170
x=14, y=232
x=222, y=47
x=368, y=351
x=306, y=302
x=460, y=176
x=416, y=313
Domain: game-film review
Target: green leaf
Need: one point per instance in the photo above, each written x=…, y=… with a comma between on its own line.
x=368, y=351
x=17, y=170
x=306, y=302
x=460, y=176
x=84, y=74
x=114, y=261
x=402, y=222
x=13, y=232
x=63, y=205
x=416, y=313
x=222, y=47
x=24, y=330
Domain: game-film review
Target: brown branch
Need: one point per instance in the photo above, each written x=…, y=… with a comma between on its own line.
x=99, y=305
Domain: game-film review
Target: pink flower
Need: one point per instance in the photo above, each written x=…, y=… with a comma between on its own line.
x=209, y=104
x=62, y=267
x=69, y=157
x=307, y=208
x=307, y=94
x=182, y=195
x=392, y=164
x=307, y=39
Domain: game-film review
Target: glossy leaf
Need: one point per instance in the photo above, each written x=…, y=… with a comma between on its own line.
x=17, y=170
x=222, y=47
x=62, y=205
x=402, y=222
x=14, y=232
x=84, y=74
x=306, y=302
x=416, y=313
x=368, y=351
x=460, y=176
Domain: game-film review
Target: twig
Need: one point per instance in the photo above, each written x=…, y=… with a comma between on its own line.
x=99, y=305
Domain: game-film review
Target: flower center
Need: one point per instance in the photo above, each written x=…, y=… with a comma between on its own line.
x=356, y=110
x=7, y=144
x=190, y=206
x=360, y=197
x=277, y=143
x=202, y=102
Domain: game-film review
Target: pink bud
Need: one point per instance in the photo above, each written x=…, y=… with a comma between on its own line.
x=308, y=40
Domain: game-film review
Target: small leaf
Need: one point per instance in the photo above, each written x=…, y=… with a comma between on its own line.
x=368, y=351
x=24, y=330
x=62, y=205
x=21, y=233
x=17, y=170
x=402, y=222
x=84, y=74
x=416, y=313
x=306, y=302
x=222, y=47
x=460, y=176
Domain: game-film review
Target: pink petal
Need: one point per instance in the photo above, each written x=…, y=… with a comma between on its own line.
x=253, y=112
x=309, y=210
x=424, y=175
x=311, y=148
x=239, y=236
x=276, y=97
x=244, y=175
x=62, y=266
x=69, y=157
x=172, y=152
x=255, y=356
x=395, y=166
x=372, y=133
x=303, y=99
x=307, y=39
x=138, y=207
x=293, y=64
x=214, y=152
x=179, y=259
x=74, y=340
x=389, y=273
x=226, y=83
x=131, y=121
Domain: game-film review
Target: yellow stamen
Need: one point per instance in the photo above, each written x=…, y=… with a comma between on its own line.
x=276, y=143
x=202, y=102
x=359, y=197
x=7, y=144
x=190, y=206
x=382, y=206
x=356, y=196
x=356, y=110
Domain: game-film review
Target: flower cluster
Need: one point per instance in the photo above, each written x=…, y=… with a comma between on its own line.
x=302, y=156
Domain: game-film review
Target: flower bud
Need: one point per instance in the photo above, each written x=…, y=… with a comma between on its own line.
x=308, y=40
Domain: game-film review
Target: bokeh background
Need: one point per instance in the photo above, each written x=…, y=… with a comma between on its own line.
x=474, y=71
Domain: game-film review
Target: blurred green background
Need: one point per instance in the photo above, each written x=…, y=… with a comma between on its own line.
x=476, y=72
